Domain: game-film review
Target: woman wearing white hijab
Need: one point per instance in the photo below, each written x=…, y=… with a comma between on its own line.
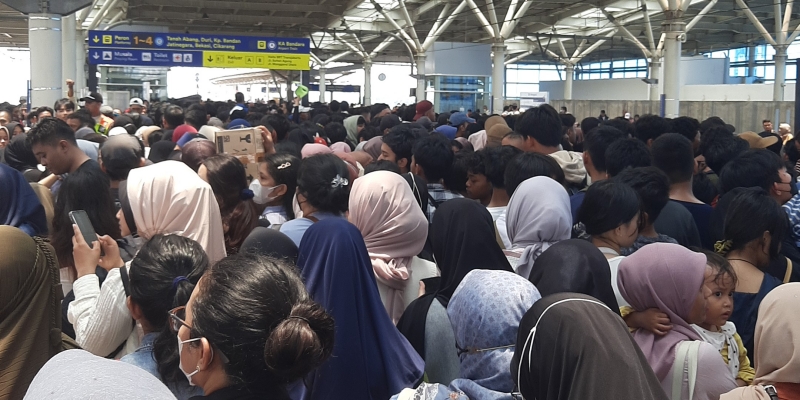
x=539, y=216
x=164, y=198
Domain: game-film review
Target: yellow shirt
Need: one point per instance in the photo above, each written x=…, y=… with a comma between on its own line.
x=746, y=371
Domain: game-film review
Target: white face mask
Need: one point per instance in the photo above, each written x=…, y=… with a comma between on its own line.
x=180, y=364
x=262, y=194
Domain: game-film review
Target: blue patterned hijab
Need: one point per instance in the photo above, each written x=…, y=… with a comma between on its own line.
x=371, y=359
x=485, y=312
x=19, y=206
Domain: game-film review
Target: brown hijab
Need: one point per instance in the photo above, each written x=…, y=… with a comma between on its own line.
x=30, y=304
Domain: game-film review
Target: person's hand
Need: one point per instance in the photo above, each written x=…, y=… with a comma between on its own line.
x=111, y=259
x=268, y=140
x=70, y=83
x=86, y=258
x=421, y=289
x=652, y=320
x=296, y=101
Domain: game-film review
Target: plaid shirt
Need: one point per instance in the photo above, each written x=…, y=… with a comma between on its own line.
x=437, y=195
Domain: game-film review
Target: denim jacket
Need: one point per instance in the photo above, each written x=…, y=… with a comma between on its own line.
x=143, y=358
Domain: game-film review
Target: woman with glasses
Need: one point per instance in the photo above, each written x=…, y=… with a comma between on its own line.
x=249, y=329
x=610, y=214
x=162, y=276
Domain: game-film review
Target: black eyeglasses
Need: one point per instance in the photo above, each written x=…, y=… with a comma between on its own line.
x=177, y=318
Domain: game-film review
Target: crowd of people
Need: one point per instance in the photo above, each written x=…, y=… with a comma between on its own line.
x=395, y=253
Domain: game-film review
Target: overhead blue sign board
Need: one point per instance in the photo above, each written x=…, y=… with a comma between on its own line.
x=197, y=50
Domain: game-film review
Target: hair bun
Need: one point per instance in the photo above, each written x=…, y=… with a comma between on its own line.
x=301, y=342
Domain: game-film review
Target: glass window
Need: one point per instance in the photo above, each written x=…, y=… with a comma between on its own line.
x=605, y=65
x=619, y=64
x=791, y=72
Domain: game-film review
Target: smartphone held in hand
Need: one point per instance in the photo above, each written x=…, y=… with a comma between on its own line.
x=80, y=218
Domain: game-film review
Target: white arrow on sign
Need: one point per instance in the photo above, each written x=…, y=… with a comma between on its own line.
x=96, y=56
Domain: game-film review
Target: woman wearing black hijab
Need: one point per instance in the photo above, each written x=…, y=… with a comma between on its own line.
x=576, y=266
x=572, y=347
x=271, y=243
x=463, y=239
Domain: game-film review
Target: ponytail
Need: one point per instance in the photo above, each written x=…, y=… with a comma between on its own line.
x=300, y=343
x=163, y=276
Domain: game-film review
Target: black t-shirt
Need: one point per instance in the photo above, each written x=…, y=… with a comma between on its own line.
x=677, y=222
x=701, y=213
x=87, y=165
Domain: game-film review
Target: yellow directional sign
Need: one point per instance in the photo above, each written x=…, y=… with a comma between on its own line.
x=221, y=59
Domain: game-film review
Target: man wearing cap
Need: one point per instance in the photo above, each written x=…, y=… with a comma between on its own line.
x=425, y=109
x=458, y=124
x=137, y=106
x=92, y=103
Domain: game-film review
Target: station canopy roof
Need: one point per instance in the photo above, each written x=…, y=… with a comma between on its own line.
x=544, y=30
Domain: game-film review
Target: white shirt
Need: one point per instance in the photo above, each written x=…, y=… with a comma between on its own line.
x=613, y=265
x=100, y=316
x=499, y=218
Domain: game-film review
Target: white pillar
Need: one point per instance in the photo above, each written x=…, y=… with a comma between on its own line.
x=322, y=87
x=498, y=76
x=421, y=84
x=655, y=74
x=44, y=40
x=674, y=30
x=780, y=73
x=81, y=50
x=68, y=56
x=569, y=71
x=751, y=60
x=367, y=81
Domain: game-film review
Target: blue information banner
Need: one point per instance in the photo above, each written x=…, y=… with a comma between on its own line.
x=198, y=50
x=153, y=58
x=198, y=42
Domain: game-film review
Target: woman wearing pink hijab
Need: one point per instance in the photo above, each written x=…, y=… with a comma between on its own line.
x=671, y=278
x=312, y=149
x=384, y=209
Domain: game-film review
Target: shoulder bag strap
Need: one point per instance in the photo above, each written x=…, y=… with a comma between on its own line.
x=677, y=370
x=126, y=281
x=694, y=350
x=788, y=276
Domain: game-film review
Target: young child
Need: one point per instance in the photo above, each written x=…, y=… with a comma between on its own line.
x=716, y=329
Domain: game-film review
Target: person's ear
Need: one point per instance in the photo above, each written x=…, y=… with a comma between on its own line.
x=136, y=311
x=649, y=143
x=402, y=163
x=774, y=190
x=280, y=190
x=63, y=145
x=142, y=162
x=587, y=158
x=766, y=240
x=206, y=354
